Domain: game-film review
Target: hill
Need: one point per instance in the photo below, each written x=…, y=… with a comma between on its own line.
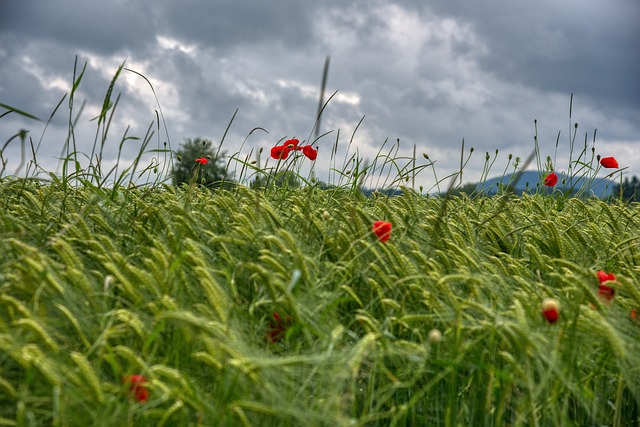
x=529, y=182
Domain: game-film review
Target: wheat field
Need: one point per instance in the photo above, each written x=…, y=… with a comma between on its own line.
x=246, y=307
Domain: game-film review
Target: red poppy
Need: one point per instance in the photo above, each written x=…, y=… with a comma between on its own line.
x=551, y=179
x=634, y=315
x=609, y=162
x=280, y=152
x=202, y=160
x=551, y=309
x=137, y=389
x=291, y=143
x=606, y=292
x=604, y=277
x=382, y=229
x=277, y=328
x=309, y=151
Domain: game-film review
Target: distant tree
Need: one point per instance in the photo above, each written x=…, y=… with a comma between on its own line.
x=210, y=173
x=630, y=190
x=283, y=178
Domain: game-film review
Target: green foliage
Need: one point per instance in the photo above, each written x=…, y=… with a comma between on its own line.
x=628, y=190
x=186, y=170
x=180, y=285
x=282, y=179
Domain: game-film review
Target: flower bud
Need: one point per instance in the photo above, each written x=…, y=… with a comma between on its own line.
x=551, y=309
x=435, y=336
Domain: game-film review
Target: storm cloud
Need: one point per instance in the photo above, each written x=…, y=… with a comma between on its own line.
x=426, y=73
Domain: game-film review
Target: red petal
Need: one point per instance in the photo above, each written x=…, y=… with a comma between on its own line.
x=280, y=152
x=139, y=391
x=134, y=379
x=551, y=179
x=609, y=162
x=141, y=394
x=606, y=292
x=382, y=229
x=552, y=315
x=291, y=142
x=310, y=152
x=604, y=277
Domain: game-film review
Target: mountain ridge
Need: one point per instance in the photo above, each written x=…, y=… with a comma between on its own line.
x=531, y=181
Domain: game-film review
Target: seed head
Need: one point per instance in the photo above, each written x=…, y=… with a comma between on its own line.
x=435, y=336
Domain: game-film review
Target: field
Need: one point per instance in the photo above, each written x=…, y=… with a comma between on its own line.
x=181, y=286
x=136, y=305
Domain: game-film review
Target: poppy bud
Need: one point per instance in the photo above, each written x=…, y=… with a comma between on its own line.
x=138, y=391
x=551, y=309
x=551, y=179
x=435, y=336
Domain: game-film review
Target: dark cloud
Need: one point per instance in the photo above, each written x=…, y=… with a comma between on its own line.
x=101, y=27
x=220, y=24
x=587, y=48
x=429, y=73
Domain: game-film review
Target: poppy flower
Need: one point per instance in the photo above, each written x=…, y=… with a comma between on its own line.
x=609, y=162
x=606, y=292
x=551, y=309
x=280, y=152
x=291, y=143
x=382, y=229
x=310, y=152
x=136, y=388
x=277, y=328
x=634, y=315
x=551, y=179
x=202, y=160
x=604, y=277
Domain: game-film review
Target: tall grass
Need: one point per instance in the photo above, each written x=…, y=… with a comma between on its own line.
x=103, y=277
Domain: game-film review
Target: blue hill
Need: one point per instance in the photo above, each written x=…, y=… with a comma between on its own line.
x=531, y=181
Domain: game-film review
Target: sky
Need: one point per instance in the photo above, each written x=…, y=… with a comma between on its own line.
x=425, y=73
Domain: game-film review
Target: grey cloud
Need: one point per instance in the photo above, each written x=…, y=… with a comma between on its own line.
x=568, y=46
x=102, y=27
x=427, y=73
x=225, y=25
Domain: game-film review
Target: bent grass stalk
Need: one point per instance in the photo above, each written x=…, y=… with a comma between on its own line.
x=163, y=312
x=101, y=280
